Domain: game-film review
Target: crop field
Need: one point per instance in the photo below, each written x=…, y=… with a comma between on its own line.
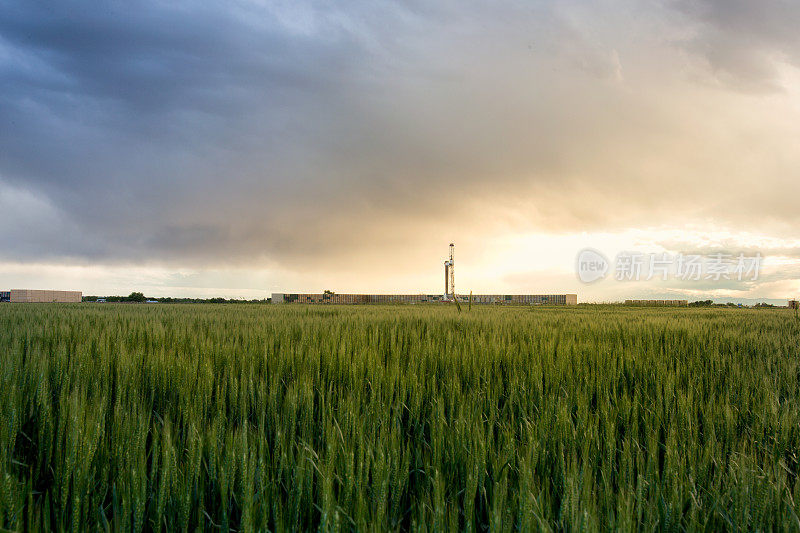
x=256, y=417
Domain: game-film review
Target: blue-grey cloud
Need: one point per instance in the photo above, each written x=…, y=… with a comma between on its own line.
x=745, y=42
x=207, y=132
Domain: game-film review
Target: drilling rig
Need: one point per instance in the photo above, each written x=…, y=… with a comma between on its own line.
x=450, y=276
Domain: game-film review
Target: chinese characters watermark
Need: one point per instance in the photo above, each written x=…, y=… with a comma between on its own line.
x=592, y=265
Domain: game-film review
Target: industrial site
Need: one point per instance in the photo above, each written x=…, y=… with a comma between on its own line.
x=449, y=295
x=328, y=297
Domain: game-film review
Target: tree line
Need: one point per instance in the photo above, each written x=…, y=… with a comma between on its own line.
x=139, y=297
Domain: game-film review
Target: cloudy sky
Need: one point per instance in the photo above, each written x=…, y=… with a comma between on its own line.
x=244, y=147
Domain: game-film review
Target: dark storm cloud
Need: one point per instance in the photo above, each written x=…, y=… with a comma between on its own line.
x=213, y=132
x=176, y=129
x=132, y=118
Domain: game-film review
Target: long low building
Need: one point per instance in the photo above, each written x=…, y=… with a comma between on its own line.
x=657, y=303
x=40, y=296
x=334, y=298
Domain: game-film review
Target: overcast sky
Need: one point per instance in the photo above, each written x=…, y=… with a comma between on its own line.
x=239, y=148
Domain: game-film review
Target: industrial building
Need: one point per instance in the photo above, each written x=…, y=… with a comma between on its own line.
x=528, y=299
x=39, y=296
x=333, y=298
x=657, y=303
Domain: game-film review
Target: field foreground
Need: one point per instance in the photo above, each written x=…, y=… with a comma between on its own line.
x=254, y=417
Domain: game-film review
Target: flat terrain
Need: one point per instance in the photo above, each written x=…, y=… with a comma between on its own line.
x=253, y=417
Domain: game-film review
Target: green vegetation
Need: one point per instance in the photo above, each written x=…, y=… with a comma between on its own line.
x=138, y=297
x=253, y=417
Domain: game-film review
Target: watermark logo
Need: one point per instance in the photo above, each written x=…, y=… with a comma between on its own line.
x=591, y=265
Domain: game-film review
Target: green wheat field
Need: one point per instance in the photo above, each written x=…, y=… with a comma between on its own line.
x=256, y=417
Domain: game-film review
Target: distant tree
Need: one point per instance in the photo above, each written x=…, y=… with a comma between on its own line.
x=136, y=297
